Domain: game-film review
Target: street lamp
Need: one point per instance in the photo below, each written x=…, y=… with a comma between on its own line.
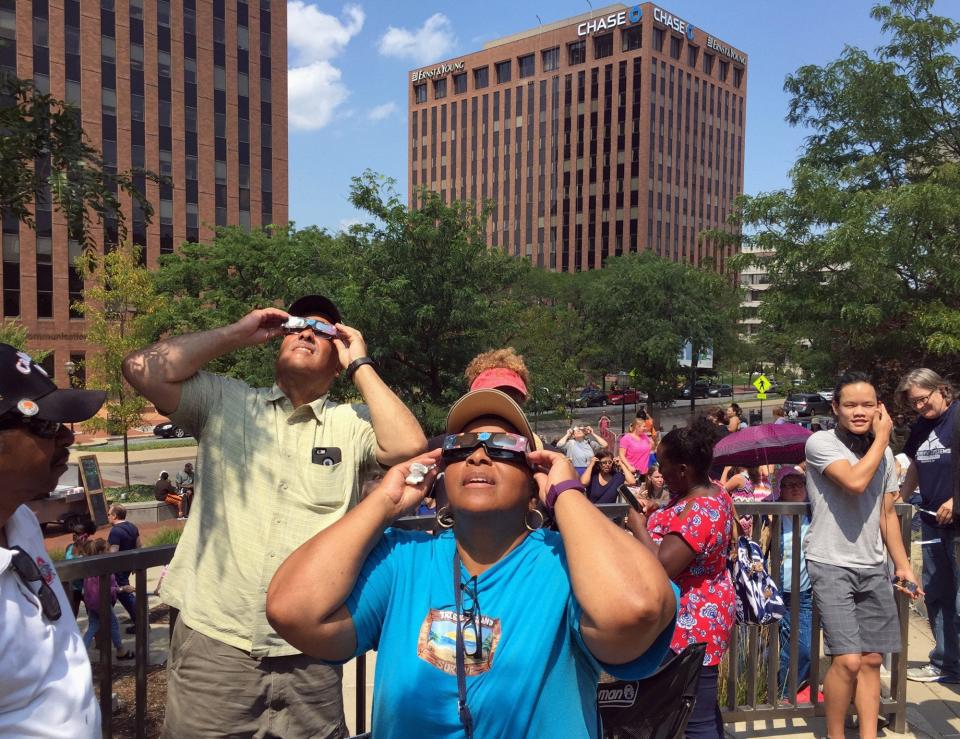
x=71, y=367
x=622, y=378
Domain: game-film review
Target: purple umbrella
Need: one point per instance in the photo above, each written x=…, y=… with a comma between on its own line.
x=769, y=443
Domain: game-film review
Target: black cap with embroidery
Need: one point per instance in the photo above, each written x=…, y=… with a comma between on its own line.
x=25, y=388
x=314, y=305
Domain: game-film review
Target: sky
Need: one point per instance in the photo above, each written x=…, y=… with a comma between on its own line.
x=349, y=64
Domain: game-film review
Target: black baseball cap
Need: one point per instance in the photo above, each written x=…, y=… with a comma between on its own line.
x=314, y=305
x=25, y=388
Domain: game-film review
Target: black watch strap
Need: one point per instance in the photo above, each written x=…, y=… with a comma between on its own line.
x=357, y=364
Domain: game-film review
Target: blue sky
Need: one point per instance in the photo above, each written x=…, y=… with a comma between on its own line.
x=349, y=63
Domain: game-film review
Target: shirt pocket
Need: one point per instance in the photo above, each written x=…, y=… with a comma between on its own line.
x=326, y=488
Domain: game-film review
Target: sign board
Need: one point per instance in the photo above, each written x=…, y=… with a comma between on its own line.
x=704, y=361
x=93, y=488
x=762, y=384
x=761, y=396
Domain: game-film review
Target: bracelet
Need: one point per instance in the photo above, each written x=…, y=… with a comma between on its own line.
x=554, y=492
x=357, y=364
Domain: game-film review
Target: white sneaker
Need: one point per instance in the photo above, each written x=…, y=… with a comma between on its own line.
x=930, y=674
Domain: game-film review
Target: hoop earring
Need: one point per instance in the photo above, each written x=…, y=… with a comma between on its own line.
x=539, y=525
x=445, y=518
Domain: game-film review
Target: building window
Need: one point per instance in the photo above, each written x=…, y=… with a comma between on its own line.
x=481, y=77
x=675, y=44
x=420, y=93
x=724, y=68
x=439, y=89
x=551, y=59
x=737, y=76
x=603, y=46
x=526, y=66
x=658, y=39
x=576, y=52
x=708, y=63
x=108, y=99
x=632, y=38
x=503, y=71
x=460, y=82
x=692, y=52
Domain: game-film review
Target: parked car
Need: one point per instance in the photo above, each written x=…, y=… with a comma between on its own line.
x=720, y=391
x=807, y=404
x=168, y=429
x=590, y=397
x=701, y=389
x=826, y=394
x=629, y=396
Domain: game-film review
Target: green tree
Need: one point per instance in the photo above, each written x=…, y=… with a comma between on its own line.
x=426, y=292
x=15, y=334
x=861, y=249
x=119, y=300
x=40, y=130
x=204, y=286
x=646, y=308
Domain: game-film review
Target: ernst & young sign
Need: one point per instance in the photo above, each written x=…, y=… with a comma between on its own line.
x=437, y=72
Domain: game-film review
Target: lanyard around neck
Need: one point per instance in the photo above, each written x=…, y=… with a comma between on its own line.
x=465, y=718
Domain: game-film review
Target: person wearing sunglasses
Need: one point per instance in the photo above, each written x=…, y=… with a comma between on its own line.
x=274, y=466
x=933, y=448
x=47, y=687
x=504, y=624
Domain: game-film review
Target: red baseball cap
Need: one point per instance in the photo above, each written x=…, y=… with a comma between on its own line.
x=499, y=378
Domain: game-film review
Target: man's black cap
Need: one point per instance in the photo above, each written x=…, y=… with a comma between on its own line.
x=314, y=305
x=25, y=388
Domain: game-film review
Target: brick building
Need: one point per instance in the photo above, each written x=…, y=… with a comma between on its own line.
x=611, y=132
x=192, y=89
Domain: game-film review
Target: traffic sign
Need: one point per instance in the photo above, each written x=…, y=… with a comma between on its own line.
x=761, y=396
x=762, y=384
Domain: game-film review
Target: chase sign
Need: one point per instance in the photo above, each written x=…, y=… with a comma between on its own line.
x=671, y=21
x=605, y=23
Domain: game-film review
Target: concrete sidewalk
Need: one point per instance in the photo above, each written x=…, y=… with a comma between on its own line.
x=933, y=709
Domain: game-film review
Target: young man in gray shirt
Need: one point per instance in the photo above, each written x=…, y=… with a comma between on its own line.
x=853, y=486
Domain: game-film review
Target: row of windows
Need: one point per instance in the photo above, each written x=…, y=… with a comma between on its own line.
x=631, y=39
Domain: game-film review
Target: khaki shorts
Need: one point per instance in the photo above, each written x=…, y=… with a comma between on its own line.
x=215, y=690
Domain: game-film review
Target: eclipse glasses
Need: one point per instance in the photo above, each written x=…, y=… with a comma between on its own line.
x=497, y=445
x=295, y=324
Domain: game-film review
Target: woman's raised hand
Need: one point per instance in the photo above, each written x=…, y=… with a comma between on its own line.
x=399, y=494
x=550, y=468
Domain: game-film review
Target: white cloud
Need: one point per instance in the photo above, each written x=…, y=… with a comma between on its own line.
x=347, y=223
x=315, y=39
x=382, y=112
x=433, y=41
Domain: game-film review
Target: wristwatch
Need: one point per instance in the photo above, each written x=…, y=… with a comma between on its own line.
x=357, y=364
x=554, y=492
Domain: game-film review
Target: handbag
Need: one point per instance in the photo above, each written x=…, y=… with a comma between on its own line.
x=657, y=706
x=758, y=600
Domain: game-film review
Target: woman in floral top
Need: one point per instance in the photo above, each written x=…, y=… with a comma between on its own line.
x=691, y=538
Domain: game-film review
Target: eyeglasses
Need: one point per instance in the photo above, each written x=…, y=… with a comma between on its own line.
x=920, y=402
x=28, y=571
x=472, y=620
x=295, y=324
x=36, y=426
x=497, y=445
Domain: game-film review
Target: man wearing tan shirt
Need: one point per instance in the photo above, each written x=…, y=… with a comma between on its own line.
x=275, y=465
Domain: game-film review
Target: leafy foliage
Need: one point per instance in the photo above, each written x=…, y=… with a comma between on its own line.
x=861, y=250
x=14, y=333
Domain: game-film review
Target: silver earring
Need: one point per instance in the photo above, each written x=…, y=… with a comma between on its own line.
x=445, y=518
x=539, y=525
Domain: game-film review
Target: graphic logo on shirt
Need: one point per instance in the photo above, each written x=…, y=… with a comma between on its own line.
x=621, y=695
x=437, y=642
x=46, y=570
x=932, y=449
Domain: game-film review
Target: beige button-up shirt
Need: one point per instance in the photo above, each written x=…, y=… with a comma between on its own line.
x=258, y=496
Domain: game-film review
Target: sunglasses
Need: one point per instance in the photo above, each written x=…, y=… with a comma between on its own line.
x=28, y=571
x=295, y=324
x=472, y=620
x=36, y=426
x=497, y=445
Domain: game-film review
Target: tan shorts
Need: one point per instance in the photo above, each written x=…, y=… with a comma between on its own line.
x=215, y=690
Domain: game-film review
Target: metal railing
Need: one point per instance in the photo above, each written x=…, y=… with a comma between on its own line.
x=754, y=708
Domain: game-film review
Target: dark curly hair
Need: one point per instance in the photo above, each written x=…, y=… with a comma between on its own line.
x=850, y=377
x=692, y=445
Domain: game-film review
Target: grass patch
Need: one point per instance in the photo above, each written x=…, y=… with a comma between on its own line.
x=164, y=537
x=131, y=494
x=158, y=444
x=57, y=555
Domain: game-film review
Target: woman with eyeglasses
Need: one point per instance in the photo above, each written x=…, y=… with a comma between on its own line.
x=604, y=475
x=505, y=625
x=933, y=448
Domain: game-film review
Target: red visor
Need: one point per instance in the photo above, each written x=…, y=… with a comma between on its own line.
x=499, y=378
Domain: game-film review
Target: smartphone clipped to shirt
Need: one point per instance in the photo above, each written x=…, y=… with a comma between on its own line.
x=627, y=494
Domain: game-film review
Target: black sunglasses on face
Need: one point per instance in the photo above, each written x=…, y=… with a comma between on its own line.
x=36, y=426
x=28, y=571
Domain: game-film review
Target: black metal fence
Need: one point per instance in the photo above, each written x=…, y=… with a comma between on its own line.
x=759, y=694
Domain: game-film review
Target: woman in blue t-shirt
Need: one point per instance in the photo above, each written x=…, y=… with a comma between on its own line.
x=505, y=625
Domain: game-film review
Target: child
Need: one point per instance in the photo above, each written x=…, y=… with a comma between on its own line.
x=81, y=532
x=91, y=598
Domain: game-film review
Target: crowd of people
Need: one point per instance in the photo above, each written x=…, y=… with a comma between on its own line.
x=288, y=565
